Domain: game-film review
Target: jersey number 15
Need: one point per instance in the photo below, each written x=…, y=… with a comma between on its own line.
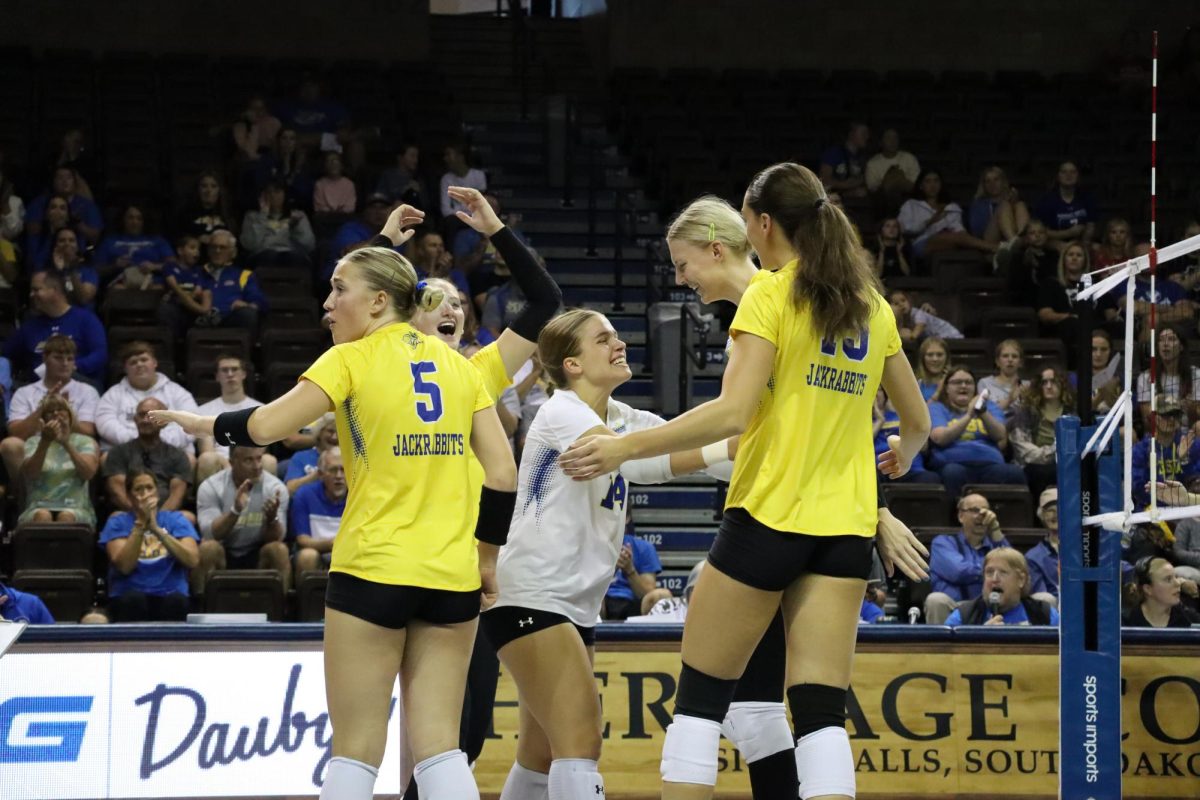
x=855, y=351
x=429, y=410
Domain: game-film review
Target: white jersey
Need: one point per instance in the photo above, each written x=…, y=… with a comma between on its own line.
x=566, y=535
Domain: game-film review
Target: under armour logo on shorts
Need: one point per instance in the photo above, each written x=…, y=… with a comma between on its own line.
x=523, y=622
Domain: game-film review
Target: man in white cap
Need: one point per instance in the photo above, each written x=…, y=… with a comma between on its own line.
x=1043, y=559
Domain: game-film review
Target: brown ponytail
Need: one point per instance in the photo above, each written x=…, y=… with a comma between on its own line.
x=834, y=280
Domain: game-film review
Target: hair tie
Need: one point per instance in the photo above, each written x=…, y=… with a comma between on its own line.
x=421, y=286
x=820, y=201
x=712, y=231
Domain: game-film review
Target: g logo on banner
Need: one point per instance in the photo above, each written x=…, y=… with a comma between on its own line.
x=44, y=741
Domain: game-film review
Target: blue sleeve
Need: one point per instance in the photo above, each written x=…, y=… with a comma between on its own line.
x=939, y=415
x=90, y=213
x=103, y=255
x=460, y=280
x=1037, y=577
x=177, y=525
x=299, y=523
x=162, y=250
x=38, y=613
x=954, y=620
x=89, y=275
x=1053, y=616
x=1140, y=472
x=118, y=527
x=297, y=464
x=869, y=611
x=950, y=565
x=92, y=358
x=645, y=557
x=465, y=242
x=255, y=295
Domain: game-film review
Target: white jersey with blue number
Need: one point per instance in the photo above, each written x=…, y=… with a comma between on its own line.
x=566, y=535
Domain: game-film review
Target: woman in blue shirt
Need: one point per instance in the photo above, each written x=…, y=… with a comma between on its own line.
x=137, y=257
x=968, y=436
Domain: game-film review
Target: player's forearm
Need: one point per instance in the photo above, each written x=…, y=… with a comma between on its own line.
x=715, y=420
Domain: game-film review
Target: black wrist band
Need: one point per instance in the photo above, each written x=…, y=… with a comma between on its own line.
x=495, y=515
x=231, y=429
x=379, y=240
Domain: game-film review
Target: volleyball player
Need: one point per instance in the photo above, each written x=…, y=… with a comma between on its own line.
x=562, y=550
x=811, y=343
x=406, y=578
x=712, y=256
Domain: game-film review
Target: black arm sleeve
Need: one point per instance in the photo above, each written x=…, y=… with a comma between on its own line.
x=543, y=295
x=379, y=240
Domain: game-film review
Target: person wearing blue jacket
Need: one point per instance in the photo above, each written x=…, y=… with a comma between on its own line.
x=236, y=297
x=18, y=606
x=956, y=559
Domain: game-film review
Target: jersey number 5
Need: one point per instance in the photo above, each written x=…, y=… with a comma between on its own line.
x=428, y=410
x=855, y=351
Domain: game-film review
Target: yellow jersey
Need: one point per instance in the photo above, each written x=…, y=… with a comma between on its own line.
x=491, y=366
x=404, y=404
x=806, y=463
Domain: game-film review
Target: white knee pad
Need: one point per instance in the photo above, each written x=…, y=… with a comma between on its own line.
x=690, y=751
x=446, y=776
x=347, y=779
x=525, y=784
x=575, y=779
x=825, y=764
x=758, y=729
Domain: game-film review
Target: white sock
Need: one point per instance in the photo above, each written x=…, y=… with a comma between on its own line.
x=525, y=784
x=575, y=779
x=446, y=776
x=347, y=779
x=825, y=763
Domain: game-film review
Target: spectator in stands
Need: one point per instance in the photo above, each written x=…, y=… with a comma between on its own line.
x=147, y=452
x=9, y=265
x=150, y=552
x=916, y=324
x=1031, y=430
x=231, y=377
x=1185, y=550
x=520, y=402
x=403, y=183
x=1004, y=388
x=1173, y=376
x=933, y=222
x=1171, y=299
x=303, y=467
x=255, y=130
x=968, y=436
x=1116, y=246
x=1176, y=449
x=634, y=589
x=891, y=172
x=1157, y=540
x=1006, y=582
x=1068, y=213
x=503, y=304
x=276, y=234
x=428, y=255
x=933, y=358
x=310, y=114
x=243, y=518
x=189, y=288
x=1057, y=317
x=475, y=336
x=458, y=172
x=52, y=314
x=12, y=207
x=997, y=214
x=18, y=606
x=355, y=232
x=39, y=246
x=1187, y=274
x=1155, y=599
x=334, y=193
x=288, y=165
x=116, y=415
x=25, y=419
x=956, y=559
x=1031, y=263
x=1106, y=382
x=208, y=210
x=886, y=422
x=843, y=165
x=79, y=279
x=135, y=257
x=73, y=152
x=237, y=301
x=1043, y=557
x=57, y=467
x=316, y=512
x=889, y=254
x=84, y=212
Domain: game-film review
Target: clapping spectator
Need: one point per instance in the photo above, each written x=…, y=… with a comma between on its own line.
x=891, y=172
x=1068, y=213
x=208, y=210
x=1032, y=263
x=933, y=358
x=1116, y=247
x=1174, y=376
x=956, y=559
x=1044, y=568
x=889, y=255
x=302, y=469
x=116, y=414
x=458, y=173
x=12, y=208
x=310, y=114
x=189, y=288
x=79, y=279
x=1155, y=599
x=403, y=183
x=334, y=193
x=39, y=246
x=52, y=313
x=24, y=418
x=150, y=552
x=57, y=467
x=138, y=256
x=84, y=212
x=1031, y=430
x=634, y=589
x=316, y=513
x=1176, y=450
x=1170, y=298
x=843, y=165
x=237, y=300
x=474, y=336
x=277, y=234
x=968, y=436
x=243, y=518
x=147, y=452
x=997, y=214
x=933, y=222
x=1004, y=388
x=288, y=165
x=431, y=260
x=917, y=323
x=73, y=152
x=886, y=422
x=1005, y=598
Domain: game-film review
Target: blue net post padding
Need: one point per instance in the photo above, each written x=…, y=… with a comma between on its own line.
x=1090, y=610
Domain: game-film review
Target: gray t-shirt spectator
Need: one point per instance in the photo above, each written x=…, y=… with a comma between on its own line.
x=1187, y=543
x=504, y=304
x=216, y=498
x=162, y=461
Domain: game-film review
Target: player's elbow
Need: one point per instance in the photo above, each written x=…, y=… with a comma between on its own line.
x=502, y=475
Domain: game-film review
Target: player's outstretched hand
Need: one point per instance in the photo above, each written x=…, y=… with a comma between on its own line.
x=400, y=223
x=899, y=547
x=194, y=424
x=891, y=461
x=479, y=213
x=592, y=456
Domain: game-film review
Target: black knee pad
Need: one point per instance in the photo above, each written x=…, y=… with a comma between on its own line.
x=703, y=695
x=815, y=706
